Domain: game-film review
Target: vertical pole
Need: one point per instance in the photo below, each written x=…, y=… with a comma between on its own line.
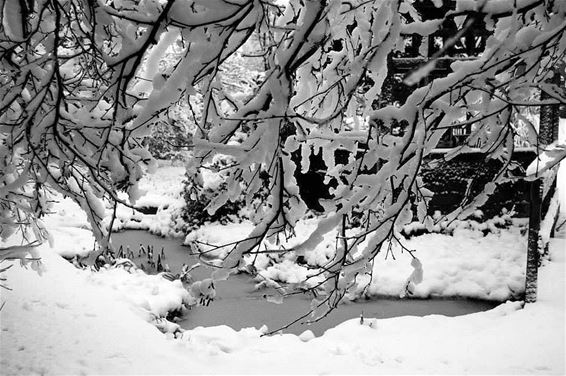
x=533, y=254
x=548, y=131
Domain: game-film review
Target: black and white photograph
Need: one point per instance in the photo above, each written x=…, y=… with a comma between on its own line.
x=282, y=187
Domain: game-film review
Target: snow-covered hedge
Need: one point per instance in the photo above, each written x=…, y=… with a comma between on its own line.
x=476, y=222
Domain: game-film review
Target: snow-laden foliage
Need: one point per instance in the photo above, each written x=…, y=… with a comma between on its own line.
x=83, y=81
x=65, y=116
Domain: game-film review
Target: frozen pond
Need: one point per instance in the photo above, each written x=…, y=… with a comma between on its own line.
x=239, y=306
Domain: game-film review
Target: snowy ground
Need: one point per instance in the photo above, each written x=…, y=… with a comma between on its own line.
x=67, y=322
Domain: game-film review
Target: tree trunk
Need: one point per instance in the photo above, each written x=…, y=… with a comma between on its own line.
x=548, y=132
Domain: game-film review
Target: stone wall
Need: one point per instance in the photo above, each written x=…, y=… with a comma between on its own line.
x=449, y=181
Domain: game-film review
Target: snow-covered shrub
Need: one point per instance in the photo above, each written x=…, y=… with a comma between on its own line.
x=475, y=222
x=240, y=77
x=171, y=138
x=200, y=187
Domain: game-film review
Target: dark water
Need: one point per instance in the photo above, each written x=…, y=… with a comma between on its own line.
x=239, y=306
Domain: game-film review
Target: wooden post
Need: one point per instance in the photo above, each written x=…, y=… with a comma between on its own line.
x=548, y=132
x=533, y=254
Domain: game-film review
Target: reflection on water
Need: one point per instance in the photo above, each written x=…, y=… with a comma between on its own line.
x=239, y=306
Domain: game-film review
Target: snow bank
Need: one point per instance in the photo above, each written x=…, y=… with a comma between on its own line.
x=163, y=193
x=152, y=296
x=162, y=187
x=63, y=323
x=464, y=264
x=71, y=230
x=209, y=237
x=445, y=226
x=290, y=272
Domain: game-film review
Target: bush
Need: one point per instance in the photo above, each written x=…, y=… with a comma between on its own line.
x=171, y=137
x=200, y=187
x=476, y=222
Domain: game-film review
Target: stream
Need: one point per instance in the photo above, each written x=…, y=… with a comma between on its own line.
x=237, y=304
